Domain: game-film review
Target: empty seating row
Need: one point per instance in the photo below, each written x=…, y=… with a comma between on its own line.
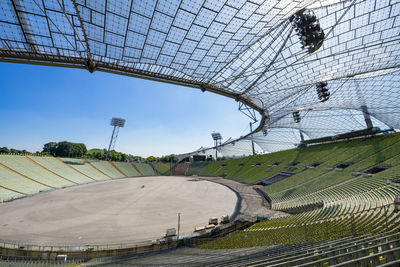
x=106, y=168
x=128, y=168
x=26, y=175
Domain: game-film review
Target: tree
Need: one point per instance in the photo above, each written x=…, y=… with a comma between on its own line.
x=151, y=159
x=63, y=149
x=80, y=149
x=4, y=150
x=15, y=151
x=68, y=149
x=168, y=158
x=50, y=148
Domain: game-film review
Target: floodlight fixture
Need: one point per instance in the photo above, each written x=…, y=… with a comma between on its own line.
x=117, y=123
x=217, y=137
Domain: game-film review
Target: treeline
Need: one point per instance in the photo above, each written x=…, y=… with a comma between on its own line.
x=79, y=150
x=169, y=158
x=5, y=150
x=118, y=156
x=101, y=154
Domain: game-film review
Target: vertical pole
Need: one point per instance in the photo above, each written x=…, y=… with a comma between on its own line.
x=301, y=136
x=109, y=146
x=252, y=142
x=216, y=149
x=179, y=224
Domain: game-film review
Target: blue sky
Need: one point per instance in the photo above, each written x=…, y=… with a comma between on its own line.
x=40, y=104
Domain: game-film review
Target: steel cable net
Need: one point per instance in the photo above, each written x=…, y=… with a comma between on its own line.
x=232, y=148
x=248, y=50
x=277, y=139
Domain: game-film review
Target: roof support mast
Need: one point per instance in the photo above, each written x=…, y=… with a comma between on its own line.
x=252, y=141
x=90, y=63
x=23, y=22
x=367, y=117
x=364, y=107
x=249, y=112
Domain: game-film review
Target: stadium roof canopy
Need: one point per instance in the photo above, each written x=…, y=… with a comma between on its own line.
x=246, y=50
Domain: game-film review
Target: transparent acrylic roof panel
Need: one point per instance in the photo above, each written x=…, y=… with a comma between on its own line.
x=248, y=48
x=189, y=38
x=277, y=139
x=238, y=148
x=360, y=37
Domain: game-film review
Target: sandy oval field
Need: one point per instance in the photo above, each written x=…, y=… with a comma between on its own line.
x=116, y=211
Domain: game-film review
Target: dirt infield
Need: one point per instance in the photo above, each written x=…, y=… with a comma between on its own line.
x=116, y=211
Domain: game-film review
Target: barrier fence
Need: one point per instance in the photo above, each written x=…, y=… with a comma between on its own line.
x=305, y=233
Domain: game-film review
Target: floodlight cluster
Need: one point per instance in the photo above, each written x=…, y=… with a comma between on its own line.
x=322, y=91
x=296, y=116
x=308, y=29
x=247, y=50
